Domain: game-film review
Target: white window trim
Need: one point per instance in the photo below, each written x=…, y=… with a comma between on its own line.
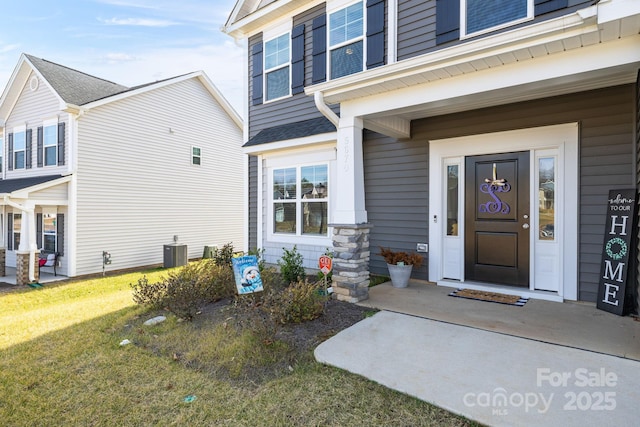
x=267, y=35
x=50, y=211
x=276, y=68
x=337, y=6
x=46, y=124
x=193, y=156
x=298, y=160
x=463, y=21
x=16, y=130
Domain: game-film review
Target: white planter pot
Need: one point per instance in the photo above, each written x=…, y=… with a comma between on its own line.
x=400, y=275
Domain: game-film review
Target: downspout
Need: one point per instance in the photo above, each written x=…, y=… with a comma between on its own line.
x=318, y=97
x=32, y=244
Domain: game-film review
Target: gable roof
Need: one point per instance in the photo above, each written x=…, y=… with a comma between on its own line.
x=74, y=87
x=78, y=91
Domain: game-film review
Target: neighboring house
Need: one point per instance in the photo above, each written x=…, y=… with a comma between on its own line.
x=90, y=166
x=401, y=109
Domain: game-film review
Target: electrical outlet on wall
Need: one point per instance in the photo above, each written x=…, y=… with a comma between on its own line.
x=422, y=247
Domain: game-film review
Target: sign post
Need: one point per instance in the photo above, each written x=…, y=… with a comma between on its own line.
x=326, y=264
x=618, y=246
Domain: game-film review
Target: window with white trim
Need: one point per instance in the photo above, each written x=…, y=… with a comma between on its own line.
x=196, y=156
x=19, y=148
x=1, y=151
x=50, y=143
x=49, y=232
x=481, y=16
x=300, y=200
x=277, y=59
x=17, y=226
x=346, y=41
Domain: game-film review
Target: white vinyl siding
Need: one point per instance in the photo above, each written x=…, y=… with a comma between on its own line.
x=149, y=193
x=29, y=111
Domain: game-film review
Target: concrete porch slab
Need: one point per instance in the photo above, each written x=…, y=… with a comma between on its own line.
x=570, y=324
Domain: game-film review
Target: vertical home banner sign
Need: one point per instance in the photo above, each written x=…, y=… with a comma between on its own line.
x=617, y=250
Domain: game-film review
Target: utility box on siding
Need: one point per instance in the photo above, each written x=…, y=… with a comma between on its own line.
x=175, y=255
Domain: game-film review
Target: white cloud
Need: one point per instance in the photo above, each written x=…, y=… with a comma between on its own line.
x=138, y=22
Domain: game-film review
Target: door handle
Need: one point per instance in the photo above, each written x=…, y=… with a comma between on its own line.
x=525, y=226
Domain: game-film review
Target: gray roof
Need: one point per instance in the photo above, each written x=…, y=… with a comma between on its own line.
x=75, y=87
x=11, y=185
x=292, y=130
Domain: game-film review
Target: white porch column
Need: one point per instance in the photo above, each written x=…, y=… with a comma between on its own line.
x=349, y=221
x=349, y=202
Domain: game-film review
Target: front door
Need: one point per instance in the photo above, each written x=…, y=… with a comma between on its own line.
x=497, y=218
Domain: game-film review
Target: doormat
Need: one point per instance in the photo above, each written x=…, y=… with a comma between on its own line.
x=489, y=296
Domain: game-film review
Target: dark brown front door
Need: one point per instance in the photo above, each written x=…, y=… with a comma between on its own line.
x=497, y=218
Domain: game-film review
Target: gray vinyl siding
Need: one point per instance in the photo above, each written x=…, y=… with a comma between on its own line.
x=606, y=156
x=417, y=26
x=253, y=202
x=295, y=108
x=397, y=195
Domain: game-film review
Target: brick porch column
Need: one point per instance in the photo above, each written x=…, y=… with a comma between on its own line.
x=3, y=261
x=351, y=262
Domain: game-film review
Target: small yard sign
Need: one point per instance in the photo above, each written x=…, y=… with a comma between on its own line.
x=247, y=274
x=618, y=246
x=325, y=263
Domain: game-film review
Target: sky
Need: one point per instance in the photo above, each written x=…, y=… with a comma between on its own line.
x=129, y=42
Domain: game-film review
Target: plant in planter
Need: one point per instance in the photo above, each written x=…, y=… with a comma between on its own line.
x=400, y=265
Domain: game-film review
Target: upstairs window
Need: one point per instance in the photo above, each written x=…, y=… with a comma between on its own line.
x=481, y=16
x=277, y=58
x=196, y=156
x=346, y=41
x=50, y=142
x=19, y=148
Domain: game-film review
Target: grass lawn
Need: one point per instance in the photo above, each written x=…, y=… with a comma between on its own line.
x=61, y=364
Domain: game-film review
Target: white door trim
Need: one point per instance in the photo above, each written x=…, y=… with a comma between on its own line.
x=562, y=139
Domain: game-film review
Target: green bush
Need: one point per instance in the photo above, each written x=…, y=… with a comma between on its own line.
x=223, y=255
x=301, y=301
x=291, y=265
x=149, y=294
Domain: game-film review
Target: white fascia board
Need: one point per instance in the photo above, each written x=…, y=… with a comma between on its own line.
x=264, y=17
x=616, y=61
x=533, y=35
x=291, y=143
x=613, y=10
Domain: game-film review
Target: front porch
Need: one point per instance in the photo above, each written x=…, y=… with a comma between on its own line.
x=46, y=276
x=570, y=324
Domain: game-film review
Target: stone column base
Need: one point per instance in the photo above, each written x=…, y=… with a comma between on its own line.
x=350, y=277
x=22, y=268
x=3, y=262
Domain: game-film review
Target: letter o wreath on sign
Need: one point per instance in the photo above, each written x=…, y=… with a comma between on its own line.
x=616, y=255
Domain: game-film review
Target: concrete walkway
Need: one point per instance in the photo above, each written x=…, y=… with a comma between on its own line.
x=496, y=376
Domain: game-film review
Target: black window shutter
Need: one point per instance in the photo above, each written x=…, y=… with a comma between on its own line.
x=10, y=231
x=10, y=154
x=545, y=6
x=375, y=33
x=319, y=51
x=447, y=20
x=61, y=144
x=40, y=152
x=39, y=230
x=256, y=53
x=297, y=59
x=60, y=233
x=27, y=151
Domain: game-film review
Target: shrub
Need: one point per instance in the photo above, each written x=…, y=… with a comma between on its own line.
x=291, y=265
x=149, y=294
x=300, y=302
x=187, y=288
x=223, y=255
